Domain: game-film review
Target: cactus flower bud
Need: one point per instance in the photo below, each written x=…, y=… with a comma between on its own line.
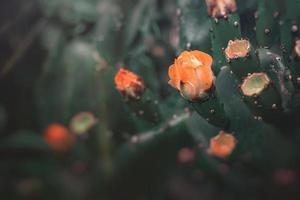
x=192, y=75
x=220, y=8
x=130, y=85
x=222, y=145
x=58, y=137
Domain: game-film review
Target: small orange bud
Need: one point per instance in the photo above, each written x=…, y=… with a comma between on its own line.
x=220, y=8
x=129, y=84
x=222, y=145
x=191, y=74
x=58, y=137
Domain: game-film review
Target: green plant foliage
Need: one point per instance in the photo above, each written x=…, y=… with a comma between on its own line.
x=133, y=148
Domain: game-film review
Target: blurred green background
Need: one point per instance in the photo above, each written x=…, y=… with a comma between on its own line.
x=58, y=59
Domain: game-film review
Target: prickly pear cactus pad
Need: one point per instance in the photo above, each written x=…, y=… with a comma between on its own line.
x=150, y=99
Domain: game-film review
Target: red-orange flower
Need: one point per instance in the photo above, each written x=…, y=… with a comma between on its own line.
x=58, y=137
x=129, y=84
x=222, y=145
x=191, y=74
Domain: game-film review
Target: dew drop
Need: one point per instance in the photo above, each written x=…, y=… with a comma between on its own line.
x=187, y=110
x=256, y=15
x=294, y=28
x=281, y=22
x=236, y=24
x=276, y=14
x=178, y=12
x=188, y=45
x=267, y=31
x=141, y=112
x=134, y=139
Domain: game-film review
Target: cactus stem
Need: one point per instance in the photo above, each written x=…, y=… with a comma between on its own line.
x=261, y=97
x=212, y=110
x=173, y=122
x=242, y=57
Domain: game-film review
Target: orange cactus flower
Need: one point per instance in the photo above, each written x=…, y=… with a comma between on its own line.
x=129, y=84
x=222, y=145
x=192, y=75
x=58, y=137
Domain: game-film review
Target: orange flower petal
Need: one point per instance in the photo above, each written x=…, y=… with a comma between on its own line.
x=58, y=137
x=192, y=68
x=175, y=80
x=129, y=84
x=222, y=145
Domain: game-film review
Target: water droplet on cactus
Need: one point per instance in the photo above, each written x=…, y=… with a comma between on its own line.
x=134, y=139
x=178, y=12
x=294, y=28
x=276, y=14
x=141, y=112
x=212, y=111
x=236, y=24
x=267, y=31
x=281, y=22
x=187, y=110
x=258, y=118
x=298, y=80
x=256, y=15
x=274, y=106
x=188, y=45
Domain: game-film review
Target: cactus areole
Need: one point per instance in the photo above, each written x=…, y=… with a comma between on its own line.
x=237, y=49
x=254, y=84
